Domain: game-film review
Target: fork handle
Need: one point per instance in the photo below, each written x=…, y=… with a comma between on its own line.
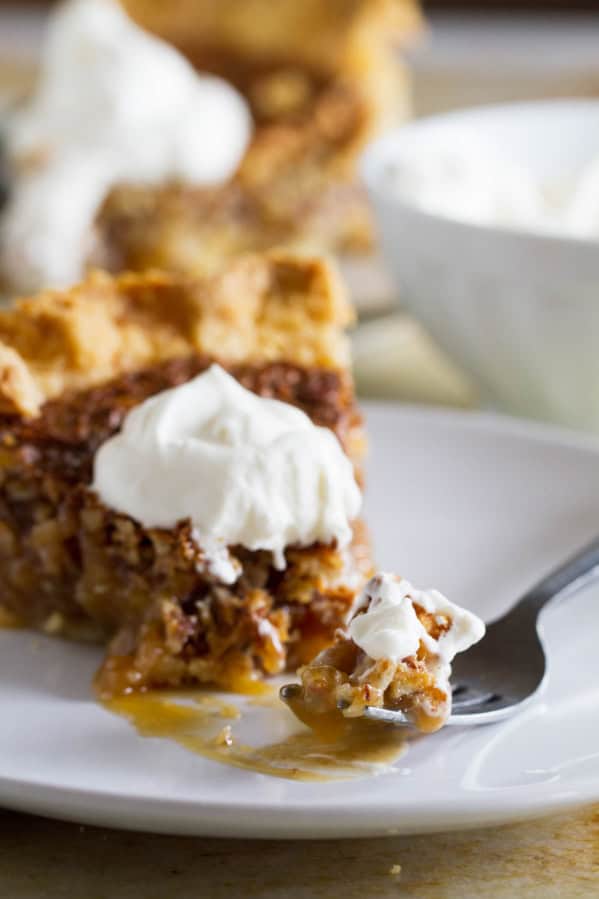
x=566, y=579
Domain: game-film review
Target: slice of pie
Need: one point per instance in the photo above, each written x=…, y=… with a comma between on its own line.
x=321, y=80
x=74, y=366
x=395, y=653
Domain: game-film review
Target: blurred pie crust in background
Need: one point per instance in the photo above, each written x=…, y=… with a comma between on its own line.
x=321, y=80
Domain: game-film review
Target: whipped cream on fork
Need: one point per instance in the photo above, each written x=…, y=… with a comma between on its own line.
x=391, y=629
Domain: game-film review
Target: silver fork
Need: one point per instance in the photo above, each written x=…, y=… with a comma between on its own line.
x=500, y=675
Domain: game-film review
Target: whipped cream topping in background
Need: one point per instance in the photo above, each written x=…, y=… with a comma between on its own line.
x=470, y=181
x=244, y=469
x=390, y=628
x=113, y=104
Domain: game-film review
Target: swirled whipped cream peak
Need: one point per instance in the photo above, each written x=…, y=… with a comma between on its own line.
x=113, y=105
x=245, y=470
x=390, y=628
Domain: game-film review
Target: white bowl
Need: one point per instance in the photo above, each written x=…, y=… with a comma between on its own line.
x=519, y=310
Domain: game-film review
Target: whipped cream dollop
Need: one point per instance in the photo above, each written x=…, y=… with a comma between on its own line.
x=468, y=180
x=391, y=629
x=243, y=469
x=113, y=105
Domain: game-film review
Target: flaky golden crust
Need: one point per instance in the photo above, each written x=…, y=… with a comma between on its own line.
x=274, y=307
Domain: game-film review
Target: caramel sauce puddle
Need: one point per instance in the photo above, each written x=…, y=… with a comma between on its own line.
x=204, y=723
x=334, y=748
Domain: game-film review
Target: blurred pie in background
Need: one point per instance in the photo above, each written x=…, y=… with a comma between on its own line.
x=177, y=136
x=320, y=79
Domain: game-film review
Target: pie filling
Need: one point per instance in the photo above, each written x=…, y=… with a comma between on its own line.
x=196, y=231
x=76, y=567
x=395, y=653
x=342, y=681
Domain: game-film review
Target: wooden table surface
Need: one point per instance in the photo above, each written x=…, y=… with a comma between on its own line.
x=553, y=857
x=545, y=859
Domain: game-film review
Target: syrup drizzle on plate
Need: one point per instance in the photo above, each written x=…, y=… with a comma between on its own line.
x=206, y=724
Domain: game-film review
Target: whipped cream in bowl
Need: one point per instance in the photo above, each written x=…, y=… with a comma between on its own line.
x=113, y=105
x=470, y=180
x=243, y=469
x=489, y=223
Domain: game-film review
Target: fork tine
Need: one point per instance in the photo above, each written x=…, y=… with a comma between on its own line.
x=467, y=698
x=388, y=716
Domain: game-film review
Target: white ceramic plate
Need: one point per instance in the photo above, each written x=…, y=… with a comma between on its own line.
x=476, y=505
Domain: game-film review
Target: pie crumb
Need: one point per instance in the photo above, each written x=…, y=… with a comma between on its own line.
x=395, y=870
x=54, y=623
x=224, y=737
